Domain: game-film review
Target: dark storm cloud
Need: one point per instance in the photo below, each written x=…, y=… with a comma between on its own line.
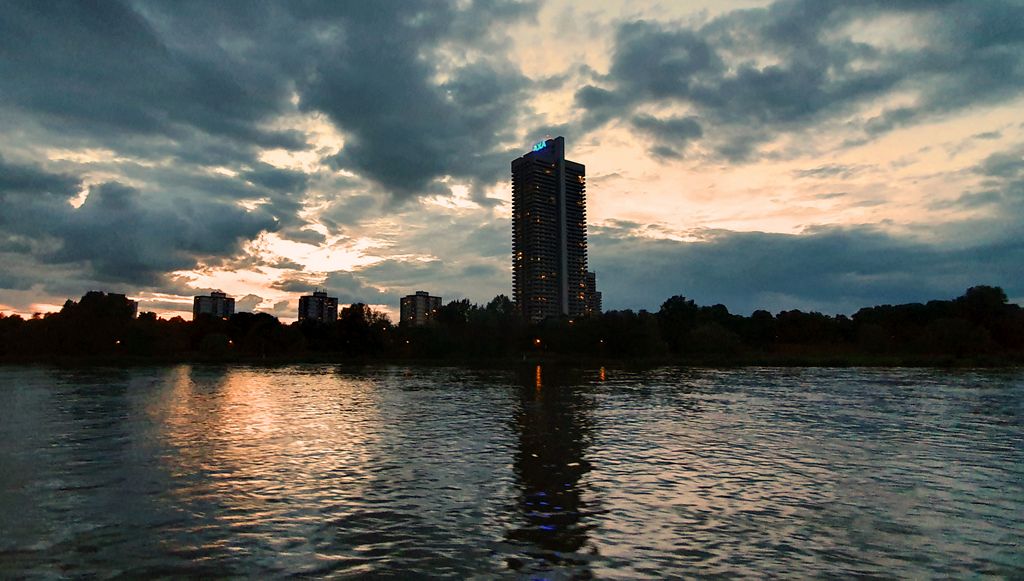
x=352, y=288
x=278, y=191
x=126, y=237
x=349, y=209
x=891, y=119
x=187, y=89
x=443, y=130
x=20, y=271
x=220, y=71
x=672, y=133
x=299, y=283
x=1003, y=183
x=830, y=269
x=28, y=195
x=100, y=67
x=33, y=181
x=303, y=235
x=276, y=179
x=118, y=234
x=752, y=74
x=969, y=201
x=180, y=91
x=403, y=128
x=1006, y=164
x=1001, y=195
x=16, y=272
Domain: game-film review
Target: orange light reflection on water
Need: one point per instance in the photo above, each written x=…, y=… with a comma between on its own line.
x=234, y=430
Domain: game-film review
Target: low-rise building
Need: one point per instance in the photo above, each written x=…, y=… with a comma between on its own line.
x=216, y=304
x=419, y=309
x=318, y=307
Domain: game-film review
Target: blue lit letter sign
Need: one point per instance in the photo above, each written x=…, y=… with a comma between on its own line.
x=539, y=145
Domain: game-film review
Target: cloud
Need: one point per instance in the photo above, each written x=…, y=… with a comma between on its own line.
x=169, y=109
x=209, y=74
x=836, y=270
x=988, y=135
x=671, y=134
x=831, y=195
x=403, y=129
x=1002, y=193
x=1003, y=164
x=190, y=128
x=300, y=282
x=351, y=288
x=103, y=68
x=752, y=75
x=285, y=309
x=248, y=303
x=118, y=234
x=832, y=170
x=30, y=180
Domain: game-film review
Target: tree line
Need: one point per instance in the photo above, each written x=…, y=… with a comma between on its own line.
x=981, y=323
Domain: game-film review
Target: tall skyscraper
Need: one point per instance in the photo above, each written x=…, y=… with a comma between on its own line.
x=318, y=307
x=549, y=233
x=217, y=304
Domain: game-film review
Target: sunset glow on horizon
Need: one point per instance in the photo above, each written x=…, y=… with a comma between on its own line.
x=775, y=155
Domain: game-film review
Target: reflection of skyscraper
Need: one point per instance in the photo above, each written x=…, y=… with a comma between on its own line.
x=553, y=424
x=549, y=233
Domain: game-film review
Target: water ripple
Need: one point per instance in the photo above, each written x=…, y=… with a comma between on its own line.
x=316, y=470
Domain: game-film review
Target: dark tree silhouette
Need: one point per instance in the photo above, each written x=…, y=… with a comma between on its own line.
x=980, y=323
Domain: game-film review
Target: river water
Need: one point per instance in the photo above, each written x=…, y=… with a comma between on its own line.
x=538, y=473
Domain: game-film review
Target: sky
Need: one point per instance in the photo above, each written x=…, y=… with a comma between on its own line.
x=799, y=154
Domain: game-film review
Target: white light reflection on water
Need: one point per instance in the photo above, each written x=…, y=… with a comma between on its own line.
x=317, y=470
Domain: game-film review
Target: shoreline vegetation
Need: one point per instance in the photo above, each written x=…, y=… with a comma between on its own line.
x=977, y=329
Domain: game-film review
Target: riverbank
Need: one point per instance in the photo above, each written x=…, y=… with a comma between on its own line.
x=760, y=359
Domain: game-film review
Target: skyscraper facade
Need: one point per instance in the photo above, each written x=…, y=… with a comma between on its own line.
x=593, y=296
x=549, y=233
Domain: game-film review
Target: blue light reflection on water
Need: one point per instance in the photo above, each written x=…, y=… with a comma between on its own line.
x=317, y=470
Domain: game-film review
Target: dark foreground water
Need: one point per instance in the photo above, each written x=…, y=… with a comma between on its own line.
x=321, y=471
